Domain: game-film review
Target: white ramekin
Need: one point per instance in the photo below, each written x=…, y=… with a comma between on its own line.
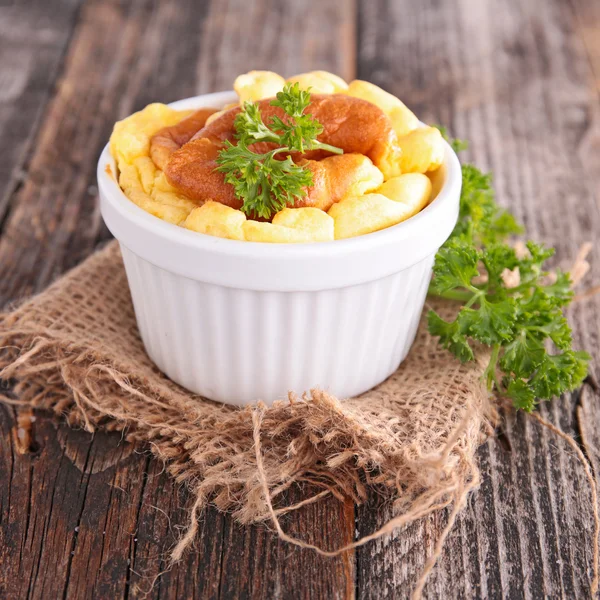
x=240, y=322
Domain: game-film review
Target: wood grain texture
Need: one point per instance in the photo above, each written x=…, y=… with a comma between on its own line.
x=588, y=27
x=33, y=39
x=516, y=82
x=93, y=517
x=89, y=518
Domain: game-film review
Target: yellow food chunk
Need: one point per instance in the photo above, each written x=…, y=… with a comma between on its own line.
x=344, y=175
x=366, y=181
x=257, y=85
x=364, y=202
x=402, y=118
x=438, y=179
x=130, y=138
x=165, y=193
x=172, y=208
x=364, y=214
x=351, y=175
x=292, y=225
x=320, y=82
x=256, y=231
x=147, y=171
x=411, y=189
x=142, y=182
x=422, y=150
x=214, y=218
x=161, y=185
x=313, y=221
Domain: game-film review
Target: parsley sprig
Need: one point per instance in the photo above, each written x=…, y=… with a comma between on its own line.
x=264, y=182
x=510, y=302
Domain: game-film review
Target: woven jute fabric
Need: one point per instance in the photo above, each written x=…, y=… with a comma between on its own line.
x=75, y=350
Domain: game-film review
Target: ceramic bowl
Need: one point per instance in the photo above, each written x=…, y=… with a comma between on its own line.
x=239, y=322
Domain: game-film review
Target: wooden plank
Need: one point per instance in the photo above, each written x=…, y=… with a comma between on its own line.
x=161, y=518
x=293, y=40
x=107, y=529
x=33, y=39
x=516, y=83
x=268, y=568
x=54, y=220
x=76, y=513
x=588, y=27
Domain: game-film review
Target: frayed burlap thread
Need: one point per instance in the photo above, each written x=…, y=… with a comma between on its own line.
x=75, y=350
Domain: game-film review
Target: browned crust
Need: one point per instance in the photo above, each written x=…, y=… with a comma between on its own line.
x=352, y=124
x=355, y=125
x=169, y=139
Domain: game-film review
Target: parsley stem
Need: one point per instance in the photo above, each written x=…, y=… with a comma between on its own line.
x=267, y=137
x=490, y=371
x=328, y=148
x=278, y=150
x=476, y=296
x=458, y=295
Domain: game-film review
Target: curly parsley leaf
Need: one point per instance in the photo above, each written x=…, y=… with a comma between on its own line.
x=481, y=220
x=456, y=265
x=492, y=322
x=266, y=185
x=451, y=337
x=264, y=182
x=250, y=127
x=510, y=302
x=521, y=394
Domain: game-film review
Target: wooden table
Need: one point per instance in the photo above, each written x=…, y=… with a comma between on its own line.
x=93, y=517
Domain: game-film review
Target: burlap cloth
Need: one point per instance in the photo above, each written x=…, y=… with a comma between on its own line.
x=75, y=350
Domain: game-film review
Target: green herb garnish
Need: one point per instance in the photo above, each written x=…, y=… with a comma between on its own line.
x=263, y=182
x=510, y=303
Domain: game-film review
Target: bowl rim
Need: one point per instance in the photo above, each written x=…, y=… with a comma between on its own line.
x=127, y=209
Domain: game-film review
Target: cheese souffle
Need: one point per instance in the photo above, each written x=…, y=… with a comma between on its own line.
x=309, y=159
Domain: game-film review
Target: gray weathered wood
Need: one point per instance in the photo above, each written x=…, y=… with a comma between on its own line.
x=80, y=519
x=33, y=39
x=86, y=516
x=514, y=80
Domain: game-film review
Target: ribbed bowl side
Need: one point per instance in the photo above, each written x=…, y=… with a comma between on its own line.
x=239, y=346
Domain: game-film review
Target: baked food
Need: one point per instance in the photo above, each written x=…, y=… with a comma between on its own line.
x=167, y=162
